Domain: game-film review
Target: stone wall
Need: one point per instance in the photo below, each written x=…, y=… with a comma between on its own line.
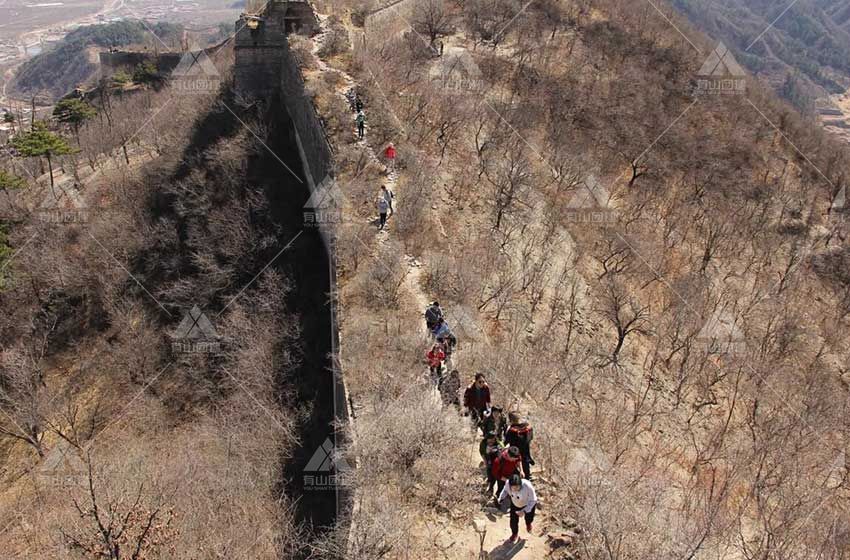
x=266, y=69
x=111, y=62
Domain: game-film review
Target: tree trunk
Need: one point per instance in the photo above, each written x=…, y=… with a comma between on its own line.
x=50, y=170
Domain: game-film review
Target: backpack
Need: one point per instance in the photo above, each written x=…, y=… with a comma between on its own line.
x=522, y=434
x=432, y=314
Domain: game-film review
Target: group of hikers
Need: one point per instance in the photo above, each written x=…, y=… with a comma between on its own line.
x=505, y=447
x=356, y=105
x=386, y=196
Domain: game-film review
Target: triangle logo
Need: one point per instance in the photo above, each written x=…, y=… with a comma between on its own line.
x=195, y=325
x=721, y=334
x=457, y=70
x=326, y=196
x=588, y=461
x=590, y=195
x=325, y=459
x=63, y=461
x=67, y=198
x=840, y=199
x=195, y=63
x=721, y=63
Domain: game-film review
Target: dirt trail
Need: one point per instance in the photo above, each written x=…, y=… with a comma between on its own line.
x=459, y=541
x=495, y=524
x=391, y=179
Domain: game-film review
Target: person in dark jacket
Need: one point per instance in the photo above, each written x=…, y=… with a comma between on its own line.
x=506, y=464
x=495, y=422
x=521, y=434
x=360, y=119
x=476, y=398
x=433, y=315
x=489, y=449
x=450, y=389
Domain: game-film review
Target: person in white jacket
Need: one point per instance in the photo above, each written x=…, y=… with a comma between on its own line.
x=523, y=500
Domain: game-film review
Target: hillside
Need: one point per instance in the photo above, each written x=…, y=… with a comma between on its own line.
x=162, y=335
x=808, y=40
x=650, y=272
x=643, y=251
x=68, y=64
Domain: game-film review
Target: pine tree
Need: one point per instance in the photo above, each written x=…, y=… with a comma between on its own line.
x=41, y=143
x=10, y=182
x=73, y=112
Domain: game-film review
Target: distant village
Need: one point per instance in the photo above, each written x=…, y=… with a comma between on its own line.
x=29, y=45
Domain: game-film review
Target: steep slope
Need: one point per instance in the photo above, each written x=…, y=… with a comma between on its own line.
x=163, y=339
x=648, y=270
x=775, y=39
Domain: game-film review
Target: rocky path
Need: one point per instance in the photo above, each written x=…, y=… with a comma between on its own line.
x=548, y=539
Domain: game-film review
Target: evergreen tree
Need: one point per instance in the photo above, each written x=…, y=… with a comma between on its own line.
x=41, y=143
x=73, y=112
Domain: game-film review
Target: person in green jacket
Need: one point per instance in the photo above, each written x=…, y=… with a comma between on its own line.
x=489, y=448
x=361, y=124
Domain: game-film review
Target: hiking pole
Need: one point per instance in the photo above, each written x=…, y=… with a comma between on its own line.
x=481, y=528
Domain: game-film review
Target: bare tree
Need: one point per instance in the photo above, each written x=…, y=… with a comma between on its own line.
x=624, y=313
x=22, y=387
x=431, y=19
x=122, y=526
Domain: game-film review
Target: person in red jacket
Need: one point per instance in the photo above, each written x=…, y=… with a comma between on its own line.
x=390, y=154
x=505, y=465
x=476, y=398
x=435, y=358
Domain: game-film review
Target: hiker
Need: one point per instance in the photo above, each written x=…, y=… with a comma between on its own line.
x=505, y=465
x=476, y=398
x=449, y=389
x=446, y=347
x=432, y=315
x=382, y=212
x=358, y=103
x=435, y=357
x=523, y=500
x=490, y=448
x=361, y=124
x=390, y=153
x=388, y=196
x=495, y=422
x=442, y=330
x=520, y=434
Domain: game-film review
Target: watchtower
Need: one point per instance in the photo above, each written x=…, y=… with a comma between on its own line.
x=261, y=39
